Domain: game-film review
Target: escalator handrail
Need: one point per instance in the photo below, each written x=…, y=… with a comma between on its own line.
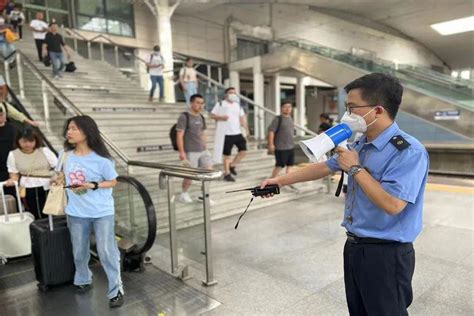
x=20, y=107
x=150, y=212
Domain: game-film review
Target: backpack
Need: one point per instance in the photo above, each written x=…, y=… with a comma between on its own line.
x=174, y=132
x=70, y=67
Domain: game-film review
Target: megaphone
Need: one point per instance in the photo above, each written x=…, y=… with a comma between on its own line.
x=317, y=146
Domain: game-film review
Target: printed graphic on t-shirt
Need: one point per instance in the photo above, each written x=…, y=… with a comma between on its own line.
x=77, y=177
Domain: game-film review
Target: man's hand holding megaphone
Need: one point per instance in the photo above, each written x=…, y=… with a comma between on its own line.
x=347, y=157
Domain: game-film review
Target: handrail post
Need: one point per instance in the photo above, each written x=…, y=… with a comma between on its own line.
x=207, y=235
x=89, y=52
x=219, y=74
x=102, y=51
x=172, y=225
x=6, y=66
x=44, y=93
x=117, y=63
x=20, y=76
x=75, y=44
x=209, y=74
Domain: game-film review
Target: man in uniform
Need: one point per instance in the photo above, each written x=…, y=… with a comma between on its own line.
x=387, y=171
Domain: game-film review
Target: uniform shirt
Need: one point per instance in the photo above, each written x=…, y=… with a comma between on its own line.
x=155, y=60
x=402, y=174
x=193, y=126
x=234, y=111
x=82, y=169
x=39, y=25
x=284, y=133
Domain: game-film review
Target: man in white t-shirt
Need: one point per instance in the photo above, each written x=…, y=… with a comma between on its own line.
x=188, y=80
x=155, y=69
x=39, y=28
x=229, y=117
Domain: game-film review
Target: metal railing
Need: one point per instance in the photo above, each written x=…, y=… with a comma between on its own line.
x=48, y=88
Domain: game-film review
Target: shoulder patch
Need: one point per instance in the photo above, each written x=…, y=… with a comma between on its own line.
x=399, y=142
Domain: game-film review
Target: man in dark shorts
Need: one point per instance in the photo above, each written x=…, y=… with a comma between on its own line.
x=229, y=116
x=280, y=139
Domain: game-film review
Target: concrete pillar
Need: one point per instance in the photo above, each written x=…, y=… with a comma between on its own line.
x=258, y=87
x=234, y=80
x=276, y=88
x=300, y=115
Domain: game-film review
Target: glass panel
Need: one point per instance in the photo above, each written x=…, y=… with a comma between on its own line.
x=119, y=28
x=58, y=4
x=90, y=7
x=119, y=10
x=95, y=24
x=36, y=2
x=61, y=18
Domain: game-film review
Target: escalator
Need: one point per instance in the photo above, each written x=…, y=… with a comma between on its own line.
x=135, y=218
x=424, y=96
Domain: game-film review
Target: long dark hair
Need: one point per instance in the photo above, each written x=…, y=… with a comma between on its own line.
x=89, y=127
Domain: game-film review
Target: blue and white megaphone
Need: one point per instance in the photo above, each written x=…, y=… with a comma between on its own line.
x=317, y=146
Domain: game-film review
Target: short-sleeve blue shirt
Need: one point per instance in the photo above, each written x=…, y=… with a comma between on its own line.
x=402, y=174
x=81, y=169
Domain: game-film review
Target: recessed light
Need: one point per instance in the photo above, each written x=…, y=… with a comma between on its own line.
x=455, y=26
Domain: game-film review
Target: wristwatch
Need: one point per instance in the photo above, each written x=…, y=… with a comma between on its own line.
x=355, y=169
x=96, y=185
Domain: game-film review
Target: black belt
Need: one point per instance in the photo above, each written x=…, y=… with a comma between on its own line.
x=367, y=240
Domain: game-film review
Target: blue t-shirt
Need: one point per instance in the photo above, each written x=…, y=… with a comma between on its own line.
x=81, y=169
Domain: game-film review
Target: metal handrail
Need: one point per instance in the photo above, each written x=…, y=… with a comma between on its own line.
x=250, y=101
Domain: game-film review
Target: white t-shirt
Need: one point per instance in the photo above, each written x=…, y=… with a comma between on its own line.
x=188, y=74
x=30, y=182
x=155, y=60
x=39, y=25
x=234, y=111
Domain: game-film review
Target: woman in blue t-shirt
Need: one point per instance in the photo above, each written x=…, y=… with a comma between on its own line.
x=89, y=170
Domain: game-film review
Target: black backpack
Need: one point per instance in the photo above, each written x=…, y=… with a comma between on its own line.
x=173, y=131
x=70, y=67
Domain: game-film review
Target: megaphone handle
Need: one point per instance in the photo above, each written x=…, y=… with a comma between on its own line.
x=343, y=144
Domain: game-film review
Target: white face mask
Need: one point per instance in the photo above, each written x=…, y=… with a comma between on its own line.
x=357, y=122
x=234, y=98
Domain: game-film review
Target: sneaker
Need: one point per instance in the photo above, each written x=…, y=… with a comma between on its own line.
x=232, y=170
x=229, y=178
x=211, y=202
x=83, y=288
x=116, y=301
x=150, y=99
x=185, y=198
x=56, y=77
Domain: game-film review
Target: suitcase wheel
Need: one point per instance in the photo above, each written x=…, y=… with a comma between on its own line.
x=42, y=287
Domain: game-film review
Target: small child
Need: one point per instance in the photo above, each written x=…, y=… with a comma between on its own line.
x=17, y=19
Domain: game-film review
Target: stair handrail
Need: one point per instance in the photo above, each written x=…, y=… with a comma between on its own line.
x=250, y=101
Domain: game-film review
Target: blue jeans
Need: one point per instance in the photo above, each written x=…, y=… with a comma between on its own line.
x=191, y=88
x=104, y=229
x=57, y=59
x=154, y=81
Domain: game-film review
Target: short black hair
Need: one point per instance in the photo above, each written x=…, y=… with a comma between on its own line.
x=228, y=89
x=30, y=134
x=195, y=96
x=378, y=88
x=286, y=102
x=324, y=116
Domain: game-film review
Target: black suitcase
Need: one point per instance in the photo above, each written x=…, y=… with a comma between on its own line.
x=52, y=252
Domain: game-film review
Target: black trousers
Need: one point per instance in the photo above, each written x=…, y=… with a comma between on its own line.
x=39, y=47
x=34, y=201
x=378, y=278
x=18, y=28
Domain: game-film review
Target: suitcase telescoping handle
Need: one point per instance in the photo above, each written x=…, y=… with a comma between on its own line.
x=5, y=210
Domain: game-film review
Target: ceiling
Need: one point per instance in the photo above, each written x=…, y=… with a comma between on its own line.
x=408, y=18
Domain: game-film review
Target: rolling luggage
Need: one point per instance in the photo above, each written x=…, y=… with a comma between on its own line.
x=52, y=252
x=14, y=229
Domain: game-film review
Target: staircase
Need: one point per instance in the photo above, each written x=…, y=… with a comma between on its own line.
x=120, y=108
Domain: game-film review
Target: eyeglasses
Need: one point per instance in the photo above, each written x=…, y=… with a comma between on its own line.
x=350, y=107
